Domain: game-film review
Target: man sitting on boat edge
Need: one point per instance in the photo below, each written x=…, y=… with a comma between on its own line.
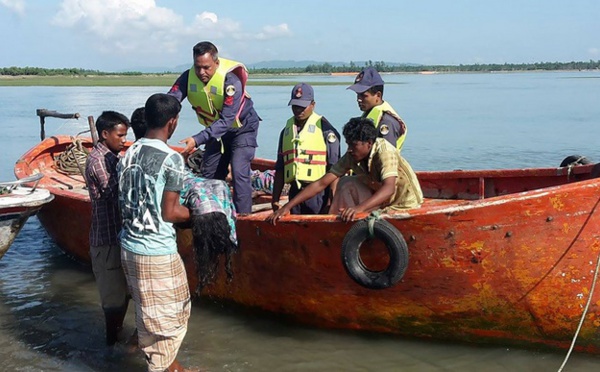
x=382, y=177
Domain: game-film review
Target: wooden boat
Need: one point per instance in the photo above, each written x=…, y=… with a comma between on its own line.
x=495, y=256
x=17, y=204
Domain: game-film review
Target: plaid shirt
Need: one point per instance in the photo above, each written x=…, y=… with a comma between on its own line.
x=103, y=185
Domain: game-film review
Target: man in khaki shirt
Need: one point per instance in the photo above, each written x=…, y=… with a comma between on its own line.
x=382, y=178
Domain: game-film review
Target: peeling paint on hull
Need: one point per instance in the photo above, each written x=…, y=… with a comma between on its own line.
x=497, y=256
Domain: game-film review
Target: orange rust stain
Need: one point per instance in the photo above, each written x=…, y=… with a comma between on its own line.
x=557, y=203
x=566, y=228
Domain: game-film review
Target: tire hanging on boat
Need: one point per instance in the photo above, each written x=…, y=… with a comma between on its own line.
x=397, y=249
x=575, y=160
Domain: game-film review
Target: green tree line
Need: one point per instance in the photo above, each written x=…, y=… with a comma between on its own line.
x=327, y=68
x=40, y=71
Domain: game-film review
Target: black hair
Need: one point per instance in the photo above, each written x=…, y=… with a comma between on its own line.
x=204, y=47
x=360, y=129
x=108, y=120
x=159, y=109
x=376, y=88
x=138, y=122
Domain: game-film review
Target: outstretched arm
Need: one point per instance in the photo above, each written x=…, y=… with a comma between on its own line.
x=307, y=193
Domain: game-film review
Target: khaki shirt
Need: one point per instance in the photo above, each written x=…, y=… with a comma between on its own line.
x=384, y=161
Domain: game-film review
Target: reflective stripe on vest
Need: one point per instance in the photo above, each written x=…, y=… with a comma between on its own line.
x=304, y=153
x=207, y=100
x=376, y=114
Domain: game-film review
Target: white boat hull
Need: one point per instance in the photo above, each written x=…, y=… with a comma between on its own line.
x=17, y=204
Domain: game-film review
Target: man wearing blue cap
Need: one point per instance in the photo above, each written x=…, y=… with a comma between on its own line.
x=216, y=88
x=368, y=86
x=308, y=146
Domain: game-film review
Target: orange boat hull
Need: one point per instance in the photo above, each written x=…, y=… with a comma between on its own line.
x=506, y=257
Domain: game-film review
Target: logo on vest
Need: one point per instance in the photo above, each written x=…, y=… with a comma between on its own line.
x=384, y=129
x=193, y=88
x=230, y=90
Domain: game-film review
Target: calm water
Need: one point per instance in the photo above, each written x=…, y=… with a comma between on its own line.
x=50, y=319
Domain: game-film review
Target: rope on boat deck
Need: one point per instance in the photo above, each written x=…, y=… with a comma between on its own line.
x=374, y=216
x=72, y=160
x=587, y=306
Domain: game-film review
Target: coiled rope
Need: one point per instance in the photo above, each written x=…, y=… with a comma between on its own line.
x=72, y=160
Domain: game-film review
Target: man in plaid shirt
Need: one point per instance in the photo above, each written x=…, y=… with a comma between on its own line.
x=103, y=186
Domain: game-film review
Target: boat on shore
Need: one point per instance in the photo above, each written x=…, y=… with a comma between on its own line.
x=17, y=204
x=507, y=257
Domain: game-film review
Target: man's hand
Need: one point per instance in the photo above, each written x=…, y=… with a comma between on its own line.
x=347, y=214
x=275, y=206
x=273, y=217
x=190, y=145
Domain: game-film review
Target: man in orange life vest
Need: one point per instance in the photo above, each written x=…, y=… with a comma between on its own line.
x=216, y=88
x=308, y=146
x=368, y=86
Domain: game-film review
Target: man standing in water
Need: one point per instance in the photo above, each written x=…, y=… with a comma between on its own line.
x=216, y=88
x=368, y=86
x=103, y=186
x=150, y=180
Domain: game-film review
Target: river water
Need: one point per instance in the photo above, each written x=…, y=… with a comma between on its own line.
x=50, y=318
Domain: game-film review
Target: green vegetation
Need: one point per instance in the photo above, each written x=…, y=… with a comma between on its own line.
x=145, y=80
x=37, y=76
x=327, y=68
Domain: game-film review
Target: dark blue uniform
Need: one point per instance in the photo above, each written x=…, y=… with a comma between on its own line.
x=390, y=128
x=317, y=203
x=238, y=144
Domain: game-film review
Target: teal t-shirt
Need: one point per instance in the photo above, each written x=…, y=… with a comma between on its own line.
x=148, y=168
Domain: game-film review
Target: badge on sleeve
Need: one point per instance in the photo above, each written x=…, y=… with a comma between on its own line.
x=331, y=138
x=230, y=90
x=384, y=129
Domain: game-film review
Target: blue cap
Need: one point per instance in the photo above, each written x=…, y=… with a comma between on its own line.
x=367, y=78
x=302, y=95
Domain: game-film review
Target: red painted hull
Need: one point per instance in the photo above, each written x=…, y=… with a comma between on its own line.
x=497, y=256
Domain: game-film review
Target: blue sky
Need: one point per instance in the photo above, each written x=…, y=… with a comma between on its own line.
x=128, y=34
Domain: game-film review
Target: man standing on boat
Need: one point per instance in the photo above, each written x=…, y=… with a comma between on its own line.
x=381, y=177
x=216, y=88
x=368, y=86
x=150, y=180
x=308, y=146
x=105, y=252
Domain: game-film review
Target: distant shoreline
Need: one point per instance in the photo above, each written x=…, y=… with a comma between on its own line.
x=166, y=80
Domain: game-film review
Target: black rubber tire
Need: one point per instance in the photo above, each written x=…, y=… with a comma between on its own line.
x=397, y=248
x=575, y=160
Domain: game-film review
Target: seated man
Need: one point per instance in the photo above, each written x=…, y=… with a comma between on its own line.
x=382, y=178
